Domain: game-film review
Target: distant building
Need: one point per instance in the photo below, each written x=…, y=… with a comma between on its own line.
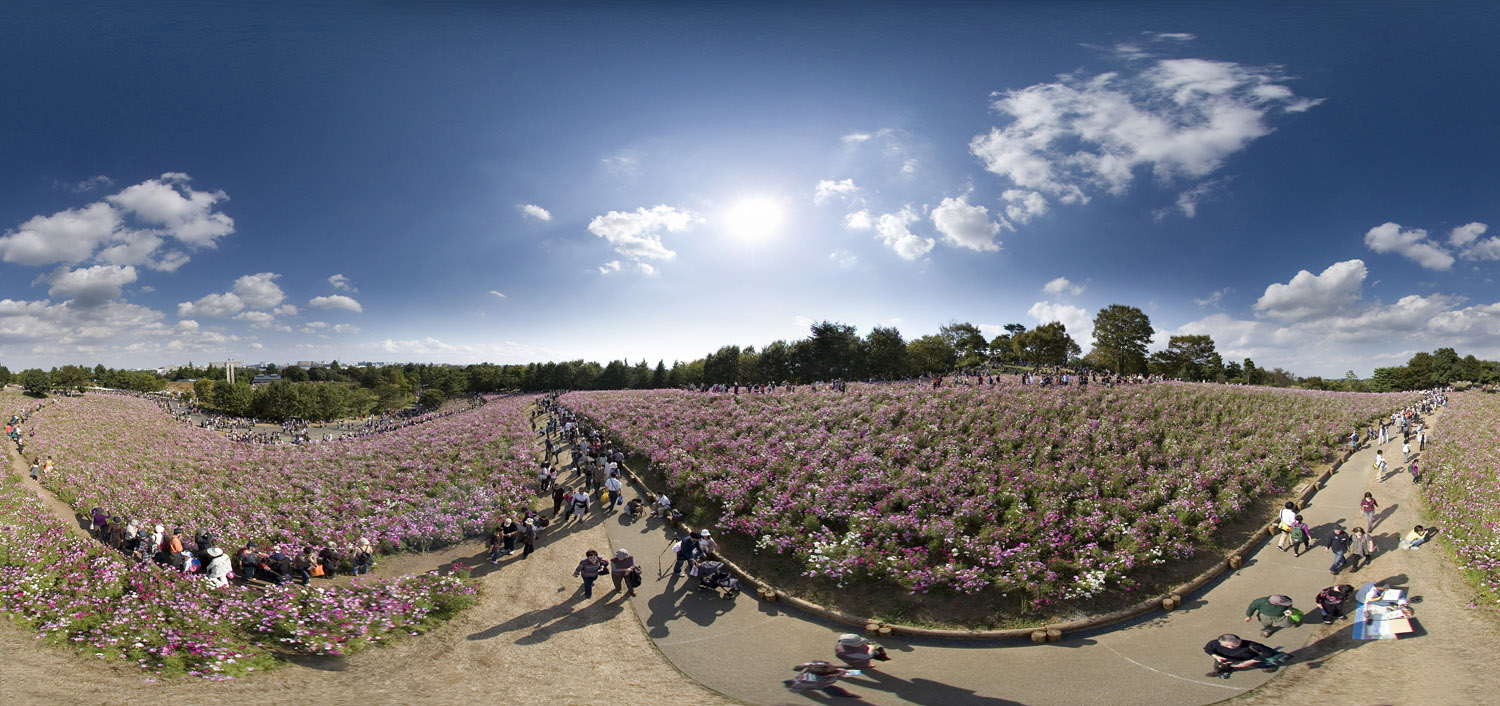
x=264, y=379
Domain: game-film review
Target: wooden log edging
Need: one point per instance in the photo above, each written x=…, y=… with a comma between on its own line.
x=1052, y=632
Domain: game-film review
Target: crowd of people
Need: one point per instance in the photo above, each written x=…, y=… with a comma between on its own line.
x=252, y=430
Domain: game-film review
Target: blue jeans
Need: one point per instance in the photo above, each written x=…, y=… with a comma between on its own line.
x=1338, y=561
x=588, y=586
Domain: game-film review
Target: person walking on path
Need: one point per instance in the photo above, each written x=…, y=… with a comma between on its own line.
x=1301, y=537
x=1284, y=524
x=1338, y=544
x=612, y=485
x=1331, y=600
x=1406, y=451
x=1380, y=466
x=1231, y=652
x=1361, y=547
x=528, y=537
x=858, y=652
x=1274, y=613
x=1368, y=505
x=589, y=569
x=619, y=569
x=820, y=676
x=687, y=546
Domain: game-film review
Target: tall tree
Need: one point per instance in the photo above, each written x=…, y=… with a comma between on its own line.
x=833, y=351
x=967, y=341
x=1121, y=334
x=1048, y=344
x=931, y=354
x=886, y=353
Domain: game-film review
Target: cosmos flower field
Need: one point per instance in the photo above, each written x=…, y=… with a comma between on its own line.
x=414, y=488
x=1047, y=493
x=1463, y=485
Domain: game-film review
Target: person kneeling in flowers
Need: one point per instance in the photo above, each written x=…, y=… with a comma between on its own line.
x=218, y=567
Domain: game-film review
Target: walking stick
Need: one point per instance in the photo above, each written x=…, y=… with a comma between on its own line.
x=659, y=571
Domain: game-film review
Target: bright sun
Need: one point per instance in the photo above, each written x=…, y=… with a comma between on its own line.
x=754, y=218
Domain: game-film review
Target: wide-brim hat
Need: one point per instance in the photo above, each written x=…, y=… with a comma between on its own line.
x=621, y=553
x=850, y=638
x=215, y=551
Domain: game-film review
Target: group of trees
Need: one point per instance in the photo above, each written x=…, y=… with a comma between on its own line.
x=1439, y=368
x=39, y=382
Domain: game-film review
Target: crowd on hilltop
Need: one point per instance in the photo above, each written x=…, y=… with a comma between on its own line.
x=1040, y=377
x=299, y=431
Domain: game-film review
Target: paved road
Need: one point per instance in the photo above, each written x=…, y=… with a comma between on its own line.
x=745, y=647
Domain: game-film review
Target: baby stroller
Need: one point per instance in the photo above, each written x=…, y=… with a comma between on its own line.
x=712, y=576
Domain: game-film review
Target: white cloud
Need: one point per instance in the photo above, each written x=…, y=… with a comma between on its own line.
x=608, y=267
x=855, y=138
x=1410, y=243
x=1173, y=36
x=843, y=259
x=827, y=189
x=186, y=325
x=965, y=226
x=317, y=324
x=1181, y=118
x=1309, y=296
x=420, y=346
x=531, y=210
x=1214, y=300
x=66, y=236
x=894, y=231
x=637, y=234
x=1187, y=201
x=909, y=167
x=342, y=282
x=624, y=164
x=337, y=301
x=257, y=319
x=90, y=286
x=345, y=328
x=1024, y=205
x=286, y=310
x=1079, y=324
x=498, y=294
x=1466, y=239
x=212, y=305
x=89, y=184
x=645, y=268
x=1060, y=286
x=127, y=228
x=184, y=213
x=259, y=291
x=859, y=220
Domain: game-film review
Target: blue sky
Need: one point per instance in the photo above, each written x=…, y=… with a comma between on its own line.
x=1312, y=184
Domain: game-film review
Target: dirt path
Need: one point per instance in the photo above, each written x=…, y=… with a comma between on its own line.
x=1444, y=663
x=22, y=470
x=531, y=639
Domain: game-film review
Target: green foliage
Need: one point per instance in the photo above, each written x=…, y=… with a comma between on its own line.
x=37, y=382
x=1048, y=344
x=931, y=354
x=432, y=398
x=1121, y=334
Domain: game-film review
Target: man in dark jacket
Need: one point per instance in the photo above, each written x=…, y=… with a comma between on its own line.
x=1231, y=653
x=686, y=547
x=1338, y=543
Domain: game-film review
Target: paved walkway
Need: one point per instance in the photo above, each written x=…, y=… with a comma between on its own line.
x=745, y=647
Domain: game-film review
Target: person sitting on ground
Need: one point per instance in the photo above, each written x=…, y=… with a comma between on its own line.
x=218, y=568
x=1415, y=538
x=248, y=561
x=1332, y=600
x=1230, y=652
x=1274, y=612
x=857, y=652
x=633, y=508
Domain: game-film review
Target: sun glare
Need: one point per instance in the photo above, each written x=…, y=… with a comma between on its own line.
x=753, y=219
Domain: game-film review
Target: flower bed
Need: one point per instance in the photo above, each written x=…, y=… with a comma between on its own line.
x=427, y=484
x=1048, y=493
x=414, y=488
x=1462, y=471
